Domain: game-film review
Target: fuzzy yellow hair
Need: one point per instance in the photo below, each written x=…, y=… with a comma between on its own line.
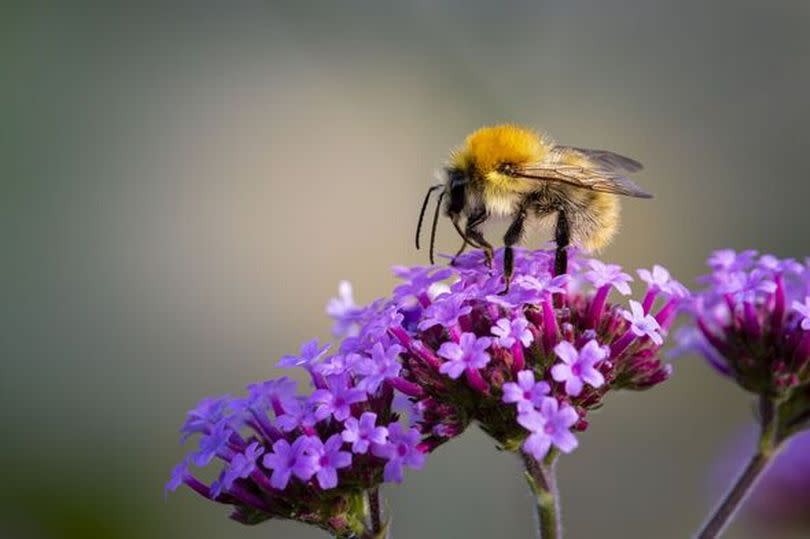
x=488, y=147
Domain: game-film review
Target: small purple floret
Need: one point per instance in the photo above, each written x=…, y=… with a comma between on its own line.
x=330, y=460
x=469, y=353
x=660, y=280
x=308, y=356
x=643, y=325
x=241, y=466
x=526, y=393
x=299, y=459
x=381, y=366
x=363, y=433
x=344, y=312
x=602, y=274
x=551, y=425
x=401, y=450
x=336, y=400
x=445, y=312
x=579, y=368
x=510, y=331
x=212, y=444
x=804, y=310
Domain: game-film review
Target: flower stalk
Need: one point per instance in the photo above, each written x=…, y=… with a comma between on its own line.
x=767, y=448
x=543, y=484
x=375, y=513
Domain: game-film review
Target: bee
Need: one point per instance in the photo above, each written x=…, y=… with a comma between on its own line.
x=511, y=172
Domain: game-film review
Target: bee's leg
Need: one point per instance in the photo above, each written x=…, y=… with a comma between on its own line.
x=461, y=249
x=562, y=236
x=466, y=240
x=513, y=236
x=475, y=237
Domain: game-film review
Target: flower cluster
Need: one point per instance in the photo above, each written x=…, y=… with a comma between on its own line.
x=413, y=371
x=309, y=457
x=752, y=324
x=527, y=365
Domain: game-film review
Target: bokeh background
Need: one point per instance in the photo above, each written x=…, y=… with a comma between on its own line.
x=183, y=186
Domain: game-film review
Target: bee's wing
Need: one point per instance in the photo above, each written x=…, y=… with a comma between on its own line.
x=605, y=159
x=596, y=170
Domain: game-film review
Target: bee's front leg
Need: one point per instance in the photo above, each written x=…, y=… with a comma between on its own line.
x=513, y=235
x=474, y=236
x=465, y=240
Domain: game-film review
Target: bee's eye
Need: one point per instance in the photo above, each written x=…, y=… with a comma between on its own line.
x=506, y=168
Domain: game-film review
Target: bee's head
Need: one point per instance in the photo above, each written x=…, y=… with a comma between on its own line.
x=456, y=191
x=492, y=151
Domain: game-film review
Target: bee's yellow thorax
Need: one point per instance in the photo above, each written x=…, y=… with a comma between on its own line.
x=489, y=147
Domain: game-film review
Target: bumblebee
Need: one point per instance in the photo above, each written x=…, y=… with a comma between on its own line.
x=511, y=172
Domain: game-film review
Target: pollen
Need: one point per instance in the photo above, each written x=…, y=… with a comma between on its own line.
x=488, y=147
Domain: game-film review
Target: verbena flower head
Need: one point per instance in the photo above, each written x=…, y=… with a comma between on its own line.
x=751, y=324
x=413, y=371
x=529, y=365
x=309, y=456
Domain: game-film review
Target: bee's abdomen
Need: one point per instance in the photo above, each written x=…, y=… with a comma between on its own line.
x=594, y=218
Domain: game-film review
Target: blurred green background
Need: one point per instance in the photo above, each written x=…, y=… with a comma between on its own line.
x=184, y=185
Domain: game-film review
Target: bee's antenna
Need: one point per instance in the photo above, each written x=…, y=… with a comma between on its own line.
x=435, y=222
x=422, y=212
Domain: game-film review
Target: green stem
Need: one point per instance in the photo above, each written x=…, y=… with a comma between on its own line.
x=374, y=505
x=374, y=527
x=543, y=484
x=733, y=500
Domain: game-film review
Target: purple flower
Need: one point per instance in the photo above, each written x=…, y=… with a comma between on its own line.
x=526, y=393
x=728, y=260
x=409, y=411
x=337, y=364
x=274, y=391
x=690, y=339
x=602, y=274
x=178, y=476
x=383, y=365
x=527, y=289
x=394, y=363
x=344, y=312
x=579, y=368
x=206, y=414
x=297, y=413
x=401, y=450
x=643, y=325
x=751, y=326
x=469, y=353
x=660, y=280
x=242, y=465
x=745, y=286
x=213, y=444
x=336, y=400
x=418, y=280
x=445, y=311
x=373, y=327
x=510, y=331
x=772, y=264
x=299, y=459
x=804, y=310
x=551, y=425
x=330, y=460
x=544, y=284
x=308, y=357
x=361, y=434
